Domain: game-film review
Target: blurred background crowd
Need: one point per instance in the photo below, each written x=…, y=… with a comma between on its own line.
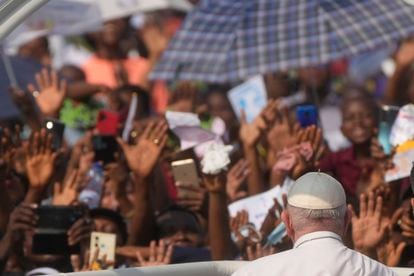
x=86, y=134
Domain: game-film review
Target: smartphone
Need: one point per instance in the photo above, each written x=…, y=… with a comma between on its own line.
x=388, y=114
x=307, y=115
x=104, y=147
x=106, y=243
x=56, y=128
x=50, y=235
x=185, y=171
x=107, y=122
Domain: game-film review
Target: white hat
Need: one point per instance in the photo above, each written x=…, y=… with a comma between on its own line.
x=318, y=191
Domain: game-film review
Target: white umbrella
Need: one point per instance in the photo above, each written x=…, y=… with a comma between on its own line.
x=13, y=12
x=64, y=17
x=112, y=9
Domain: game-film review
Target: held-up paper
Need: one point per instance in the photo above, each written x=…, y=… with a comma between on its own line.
x=403, y=162
x=403, y=128
x=249, y=96
x=181, y=119
x=258, y=205
x=187, y=128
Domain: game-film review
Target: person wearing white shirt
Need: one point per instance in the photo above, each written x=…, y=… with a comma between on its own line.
x=316, y=219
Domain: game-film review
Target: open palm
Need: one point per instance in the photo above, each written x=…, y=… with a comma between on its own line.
x=52, y=92
x=250, y=132
x=142, y=156
x=159, y=254
x=67, y=193
x=40, y=159
x=367, y=229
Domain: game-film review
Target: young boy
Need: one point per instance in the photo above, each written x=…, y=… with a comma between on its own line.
x=354, y=165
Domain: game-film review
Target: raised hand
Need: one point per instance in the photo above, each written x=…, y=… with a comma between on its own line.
x=282, y=133
x=272, y=218
x=404, y=219
x=27, y=105
x=23, y=100
x=312, y=135
x=68, y=194
x=143, y=156
x=40, y=159
x=190, y=196
x=250, y=133
x=23, y=218
x=215, y=184
x=155, y=40
x=158, y=254
x=52, y=92
x=241, y=219
x=258, y=251
x=389, y=252
x=9, y=144
x=80, y=232
x=368, y=229
x=235, y=178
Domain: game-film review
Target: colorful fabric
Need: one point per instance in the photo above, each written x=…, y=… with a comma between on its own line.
x=79, y=116
x=102, y=71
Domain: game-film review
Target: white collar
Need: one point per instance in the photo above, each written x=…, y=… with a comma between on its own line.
x=318, y=235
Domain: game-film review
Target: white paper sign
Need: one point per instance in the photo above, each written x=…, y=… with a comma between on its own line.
x=249, y=96
x=403, y=162
x=403, y=128
x=187, y=128
x=258, y=205
x=192, y=136
x=180, y=119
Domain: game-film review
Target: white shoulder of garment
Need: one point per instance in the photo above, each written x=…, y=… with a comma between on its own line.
x=316, y=254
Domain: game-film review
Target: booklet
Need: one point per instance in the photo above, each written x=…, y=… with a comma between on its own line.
x=249, y=96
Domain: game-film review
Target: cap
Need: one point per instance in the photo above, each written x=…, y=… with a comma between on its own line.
x=318, y=191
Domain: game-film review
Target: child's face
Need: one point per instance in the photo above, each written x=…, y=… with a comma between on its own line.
x=358, y=122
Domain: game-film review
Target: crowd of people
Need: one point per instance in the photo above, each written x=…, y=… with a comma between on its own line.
x=158, y=221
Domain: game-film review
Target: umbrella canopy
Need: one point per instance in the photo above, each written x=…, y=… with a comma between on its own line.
x=230, y=40
x=64, y=17
x=12, y=12
x=112, y=9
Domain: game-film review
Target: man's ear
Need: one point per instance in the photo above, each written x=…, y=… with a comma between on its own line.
x=347, y=220
x=288, y=224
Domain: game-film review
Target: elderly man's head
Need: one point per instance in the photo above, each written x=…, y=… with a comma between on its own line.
x=316, y=202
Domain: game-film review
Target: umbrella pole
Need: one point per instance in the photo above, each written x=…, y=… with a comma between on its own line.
x=9, y=68
x=317, y=102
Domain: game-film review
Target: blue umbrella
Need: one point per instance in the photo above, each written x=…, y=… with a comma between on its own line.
x=231, y=40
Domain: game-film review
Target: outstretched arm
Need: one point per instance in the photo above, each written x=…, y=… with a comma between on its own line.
x=141, y=159
x=222, y=247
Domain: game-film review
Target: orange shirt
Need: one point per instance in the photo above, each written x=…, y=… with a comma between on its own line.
x=160, y=96
x=102, y=71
